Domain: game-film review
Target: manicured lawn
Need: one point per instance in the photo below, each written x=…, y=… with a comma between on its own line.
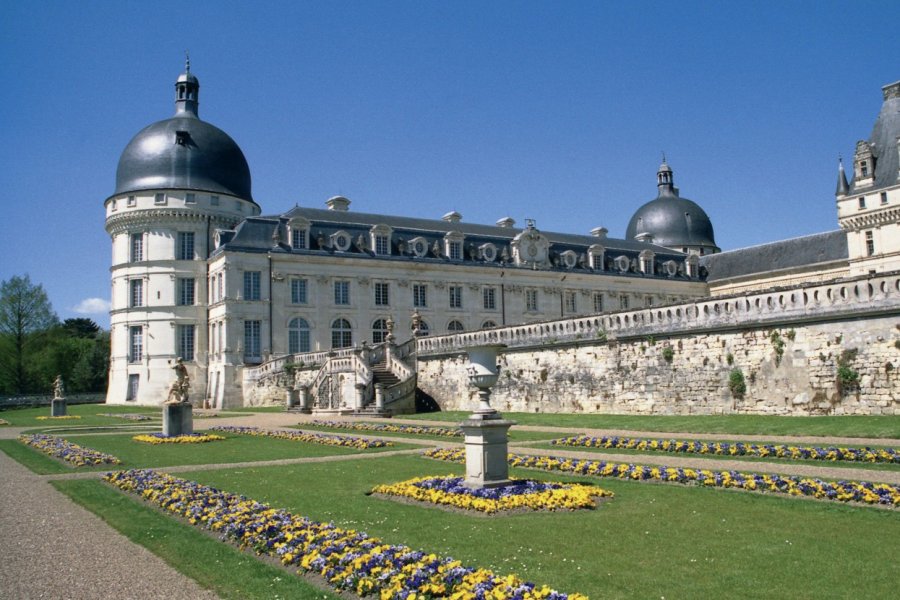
x=874, y=427
x=136, y=455
x=89, y=413
x=675, y=457
x=515, y=435
x=216, y=566
x=650, y=541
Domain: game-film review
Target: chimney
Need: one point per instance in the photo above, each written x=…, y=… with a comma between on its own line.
x=506, y=223
x=599, y=232
x=452, y=217
x=338, y=203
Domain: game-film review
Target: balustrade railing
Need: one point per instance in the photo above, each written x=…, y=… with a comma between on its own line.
x=866, y=295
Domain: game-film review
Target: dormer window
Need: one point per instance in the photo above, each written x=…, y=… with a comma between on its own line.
x=569, y=259
x=596, y=257
x=645, y=262
x=298, y=230
x=488, y=252
x=622, y=263
x=341, y=241
x=381, y=239
x=692, y=265
x=862, y=202
x=453, y=245
x=418, y=246
x=864, y=168
x=182, y=138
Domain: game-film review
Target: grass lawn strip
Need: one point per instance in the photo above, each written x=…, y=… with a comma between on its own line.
x=520, y=495
x=65, y=450
x=299, y=436
x=881, y=494
x=737, y=449
x=349, y=560
x=877, y=426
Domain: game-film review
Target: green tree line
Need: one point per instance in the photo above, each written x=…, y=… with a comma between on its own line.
x=35, y=346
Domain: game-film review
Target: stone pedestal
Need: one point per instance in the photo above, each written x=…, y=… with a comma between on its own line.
x=304, y=399
x=289, y=397
x=486, y=450
x=178, y=419
x=58, y=407
x=379, y=397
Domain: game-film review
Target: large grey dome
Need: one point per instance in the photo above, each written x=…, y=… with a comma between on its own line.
x=184, y=153
x=671, y=220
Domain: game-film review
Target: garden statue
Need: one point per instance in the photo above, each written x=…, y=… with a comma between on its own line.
x=178, y=391
x=416, y=324
x=59, y=389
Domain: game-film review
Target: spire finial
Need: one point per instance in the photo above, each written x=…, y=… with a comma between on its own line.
x=843, y=188
x=664, y=156
x=187, y=61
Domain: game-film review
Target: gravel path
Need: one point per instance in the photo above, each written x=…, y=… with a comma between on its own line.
x=52, y=548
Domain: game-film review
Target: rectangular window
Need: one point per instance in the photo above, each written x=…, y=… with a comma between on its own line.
x=862, y=201
x=252, y=340
x=214, y=200
x=190, y=198
x=137, y=247
x=135, y=344
x=598, y=302
x=342, y=292
x=489, y=296
x=132, y=202
x=870, y=244
x=221, y=337
x=569, y=301
x=623, y=302
x=159, y=199
x=455, y=296
x=186, y=342
x=185, y=290
x=454, y=250
x=864, y=168
x=382, y=245
x=420, y=295
x=531, y=300
x=114, y=205
x=298, y=239
x=648, y=301
x=382, y=294
x=136, y=292
x=184, y=249
x=219, y=285
x=298, y=291
x=251, y=285
x=884, y=197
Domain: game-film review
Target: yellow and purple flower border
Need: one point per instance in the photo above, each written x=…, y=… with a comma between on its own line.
x=519, y=495
x=193, y=438
x=868, y=455
x=65, y=450
x=348, y=560
x=389, y=428
x=62, y=418
x=299, y=436
x=844, y=491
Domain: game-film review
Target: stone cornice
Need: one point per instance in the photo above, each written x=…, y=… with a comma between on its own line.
x=876, y=218
x=126, y=221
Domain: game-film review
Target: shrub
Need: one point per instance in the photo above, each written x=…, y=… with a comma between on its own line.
x=668, y=354
x=778, y=344
x=847, y=376
x=736, y=383
x=729, y=358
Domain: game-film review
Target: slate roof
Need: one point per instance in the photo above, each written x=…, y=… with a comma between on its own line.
x=256, y=234
x=883, y=141
x=807, y=251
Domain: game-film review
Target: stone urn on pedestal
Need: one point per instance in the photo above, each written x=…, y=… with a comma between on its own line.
x=485, y=430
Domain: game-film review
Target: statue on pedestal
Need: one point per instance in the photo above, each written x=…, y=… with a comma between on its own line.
x=59, y=389
x=178, y=391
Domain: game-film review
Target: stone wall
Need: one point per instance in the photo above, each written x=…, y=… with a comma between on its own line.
x=788, y=345
x=272, y=389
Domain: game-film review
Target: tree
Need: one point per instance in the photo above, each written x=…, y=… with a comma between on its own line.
x=25, y=313
x=81, y=328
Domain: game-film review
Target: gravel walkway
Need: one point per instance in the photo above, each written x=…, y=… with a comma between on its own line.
x=52, y=548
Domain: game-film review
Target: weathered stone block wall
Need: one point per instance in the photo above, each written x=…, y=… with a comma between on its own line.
x=272, y=389
x=793, y=374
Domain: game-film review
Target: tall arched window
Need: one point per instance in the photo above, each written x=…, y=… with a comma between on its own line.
x=298, y=336
x=341, y=334
x=488, y=324
x=424, y=329
x=379, y=331
x=455, y=327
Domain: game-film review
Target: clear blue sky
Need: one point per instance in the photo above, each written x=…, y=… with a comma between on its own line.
x=556, y=111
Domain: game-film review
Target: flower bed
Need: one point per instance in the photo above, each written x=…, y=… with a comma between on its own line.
x=414, y=429
x=62, y=418
x=844, y=491
x=520, y=494
x=299, y=436
x=348, y=560
x=870, y=455
x=126, y=416
x=4, y=422
x=67, y=451
x=192, y=438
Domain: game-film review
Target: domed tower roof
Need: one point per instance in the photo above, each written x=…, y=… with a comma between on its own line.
x=672, y=221
x=184, y=152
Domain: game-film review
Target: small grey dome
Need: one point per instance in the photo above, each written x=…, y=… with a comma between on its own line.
x=184, y=153
x=671, y=220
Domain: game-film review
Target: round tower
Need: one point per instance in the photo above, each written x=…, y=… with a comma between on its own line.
x=177, y=182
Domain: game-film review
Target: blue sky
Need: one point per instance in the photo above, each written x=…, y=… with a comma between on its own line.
x=556, y=111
